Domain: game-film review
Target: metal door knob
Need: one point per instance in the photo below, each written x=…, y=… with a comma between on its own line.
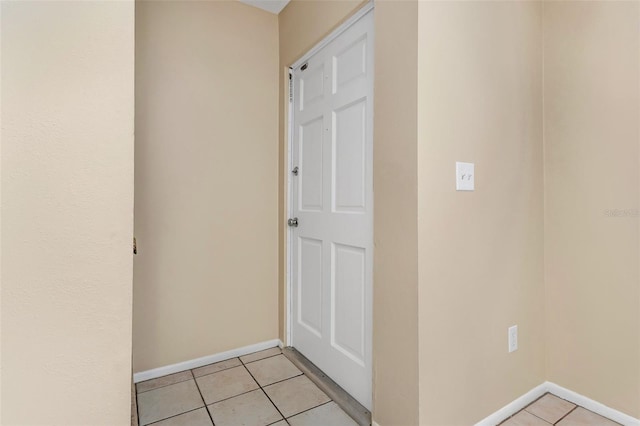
x=293, y=222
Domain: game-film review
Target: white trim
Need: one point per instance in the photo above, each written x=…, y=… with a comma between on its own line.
x=571, y=396
x=288, y=332
x=334, y=34
x=205, y=360
x=513, y=407
x=374, y=423
x=591, y=405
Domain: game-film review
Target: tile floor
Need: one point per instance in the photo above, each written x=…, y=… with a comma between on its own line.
x=259, y=389
x=551, y=410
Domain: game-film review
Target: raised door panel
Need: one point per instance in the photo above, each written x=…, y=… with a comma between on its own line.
x=348, y=301
x=349, y=144
x=349, y=63
x=310, y=285
x=311, y=88
x=311, y=165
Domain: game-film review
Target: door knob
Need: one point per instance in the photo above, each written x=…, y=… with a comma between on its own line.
x=293, y=222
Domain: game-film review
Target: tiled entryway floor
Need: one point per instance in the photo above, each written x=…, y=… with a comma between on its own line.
x=551, y=410
x=259, y=389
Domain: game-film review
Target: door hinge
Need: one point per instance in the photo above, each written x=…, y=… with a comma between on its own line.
x=135, y=246
x=290, y=88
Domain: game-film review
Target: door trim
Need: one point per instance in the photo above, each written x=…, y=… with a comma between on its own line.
x=366, y=8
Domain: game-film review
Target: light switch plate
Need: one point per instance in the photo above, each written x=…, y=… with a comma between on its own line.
x=465, y=176
x=513, y=338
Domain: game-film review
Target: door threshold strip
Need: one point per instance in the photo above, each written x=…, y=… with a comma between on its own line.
x=353, y=408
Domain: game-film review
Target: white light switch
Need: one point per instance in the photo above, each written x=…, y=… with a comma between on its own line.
x=465, y=176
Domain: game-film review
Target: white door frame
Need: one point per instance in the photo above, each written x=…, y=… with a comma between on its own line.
x=289, y=208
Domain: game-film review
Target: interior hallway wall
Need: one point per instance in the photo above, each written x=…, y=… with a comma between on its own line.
x=206, y=203
x=592, y=191
x=67, y=212
x=481, y=252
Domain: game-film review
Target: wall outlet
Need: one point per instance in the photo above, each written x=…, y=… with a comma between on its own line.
x=513, y=338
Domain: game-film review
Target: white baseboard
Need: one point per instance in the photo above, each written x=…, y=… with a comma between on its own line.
x=205, y=360
x=513, y=407
x=374, y=424
x=591, y=405
x=571, y=396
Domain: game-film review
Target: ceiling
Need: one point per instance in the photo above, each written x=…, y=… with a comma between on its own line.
x=273, y=6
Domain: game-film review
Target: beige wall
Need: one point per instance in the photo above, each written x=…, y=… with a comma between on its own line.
x=67, y=205
x=481, y=252
x=592, y=111
x=395, y=180
x=206, y=274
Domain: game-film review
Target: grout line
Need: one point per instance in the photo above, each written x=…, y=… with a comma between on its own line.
x=536, y=416
x=570, y=411
x=525, y=409
x=224, y=369
x=226, y=399
x=203, y=400
x=312, y=408
x=261, y=359
x=164, y=386
x=281, y=420
x=274, y=406
x=280, y=381
x=265, y=393
x=171, y=417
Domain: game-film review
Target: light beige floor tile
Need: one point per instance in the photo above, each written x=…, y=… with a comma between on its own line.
x=550, y=408
x=280, y=423
x=296, y=395
x=168, y=401
x=260, y=355
x=583, y=417
x=225, y=384
x=524, y=418
x=214, y=368
x=271, y=370
x=198, y=417
x=249, y=409
x=327, y=414
x=171, y=379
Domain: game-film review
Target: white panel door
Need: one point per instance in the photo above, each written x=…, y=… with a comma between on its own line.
x=332, y=197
